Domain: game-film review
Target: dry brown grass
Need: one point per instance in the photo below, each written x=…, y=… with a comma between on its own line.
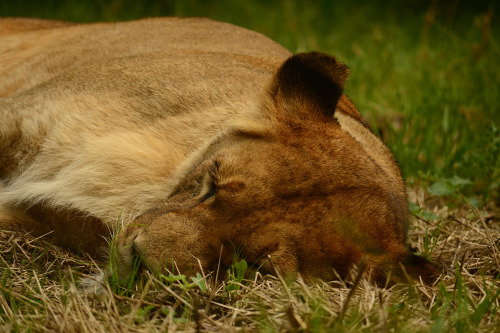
x=38, y=290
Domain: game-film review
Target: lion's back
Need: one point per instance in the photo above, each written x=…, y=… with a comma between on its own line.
x=34, y=51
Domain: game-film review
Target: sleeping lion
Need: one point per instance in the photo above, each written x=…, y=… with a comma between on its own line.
x=189, y=140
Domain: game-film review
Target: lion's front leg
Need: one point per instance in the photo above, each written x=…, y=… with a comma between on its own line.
x=20, y=222
x=73, y=230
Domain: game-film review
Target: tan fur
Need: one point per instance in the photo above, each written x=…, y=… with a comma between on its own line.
x=200, y=140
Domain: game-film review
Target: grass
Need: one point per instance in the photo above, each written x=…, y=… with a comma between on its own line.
x=425, y=76
x=38, y=290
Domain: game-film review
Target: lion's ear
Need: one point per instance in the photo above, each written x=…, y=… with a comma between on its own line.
x=308, y=86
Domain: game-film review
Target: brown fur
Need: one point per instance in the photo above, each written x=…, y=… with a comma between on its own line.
x=200, y=139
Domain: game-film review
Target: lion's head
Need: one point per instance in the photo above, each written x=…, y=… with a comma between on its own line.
x=298, y=192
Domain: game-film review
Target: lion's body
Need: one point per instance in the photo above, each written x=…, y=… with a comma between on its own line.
x=105, y=123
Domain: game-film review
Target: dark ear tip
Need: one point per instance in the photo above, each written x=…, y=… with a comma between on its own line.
x=309, y=85
x=323, y=63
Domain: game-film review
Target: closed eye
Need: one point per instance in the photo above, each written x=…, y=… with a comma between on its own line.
x=211, y=189
x=211, y=181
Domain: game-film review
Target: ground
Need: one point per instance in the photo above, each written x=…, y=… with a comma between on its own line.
x=39, y=290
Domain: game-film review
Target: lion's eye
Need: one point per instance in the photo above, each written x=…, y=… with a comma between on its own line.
x=210, y=192
x=210, y=182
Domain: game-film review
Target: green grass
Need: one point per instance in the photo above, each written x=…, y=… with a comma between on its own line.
x=425, y=76
x=38, y=292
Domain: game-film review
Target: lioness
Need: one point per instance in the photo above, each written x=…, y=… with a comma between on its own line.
x=200, y=139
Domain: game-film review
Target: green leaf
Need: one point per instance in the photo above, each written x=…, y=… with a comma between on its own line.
x=414, y=208
x=428, y=216
x=241, y=268
x=417, y=210
x=237, y=274
x=199, y=281
x=441, y=188
x=448, y=186
x=174, y=278
x=458, y=182
x=473, y=202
